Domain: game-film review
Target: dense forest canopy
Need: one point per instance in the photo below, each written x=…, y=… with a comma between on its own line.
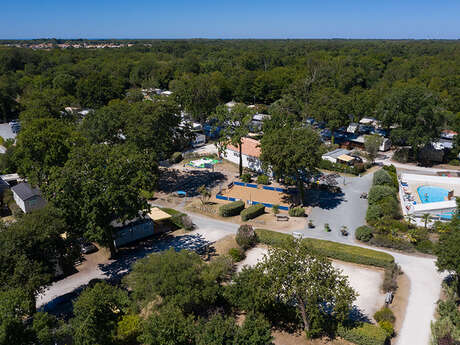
x=328, y=79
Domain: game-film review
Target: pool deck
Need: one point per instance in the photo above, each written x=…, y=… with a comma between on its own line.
x=415, y=181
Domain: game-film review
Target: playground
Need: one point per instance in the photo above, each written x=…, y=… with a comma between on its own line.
x=255, y=194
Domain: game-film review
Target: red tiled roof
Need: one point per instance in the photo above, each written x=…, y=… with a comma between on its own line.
x=250, y=147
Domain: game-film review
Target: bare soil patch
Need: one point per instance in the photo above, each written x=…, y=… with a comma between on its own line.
x=284, y=338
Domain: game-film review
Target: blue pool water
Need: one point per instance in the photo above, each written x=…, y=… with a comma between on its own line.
x=432, y=194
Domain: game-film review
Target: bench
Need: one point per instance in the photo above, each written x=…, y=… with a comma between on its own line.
x=282, y=218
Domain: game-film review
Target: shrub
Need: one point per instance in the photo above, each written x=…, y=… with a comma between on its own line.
x=387, y=327
x=176, y=157
x=377, y=193
x=382, y=178
x=389, y=241
x=401, y=155
x=179, y=219
x=276, y=209
x=331, y=249
x=246, y=237
x=252, y=212
x=374, y=213
x=390, y=278
x=187, y=223
x=246, y=178
x=231, y=209
x=263, y=179
x=364, y=233
x=454, y=162
x=366, y=334
x=425, y=246
x=384, y=314
x=237, y=254
x=297, y=212
x=391, y=170
x=390, y=207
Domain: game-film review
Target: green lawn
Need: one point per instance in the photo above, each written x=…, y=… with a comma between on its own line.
x=332, y=250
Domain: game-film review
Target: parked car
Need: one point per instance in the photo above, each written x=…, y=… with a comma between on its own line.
x=87, y=247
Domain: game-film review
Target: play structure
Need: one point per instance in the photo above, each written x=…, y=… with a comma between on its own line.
x=203, y=163
x=253, y=194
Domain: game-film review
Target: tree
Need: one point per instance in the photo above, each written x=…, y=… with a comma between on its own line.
x=97, y=311
x=205, y=194
x=447, y=251
x=198, y=94
x=180, y=278
x=100, y=184
x=42, y=145
x=372, y=144
x=291, y=152
x=416, y=110
x=255, y=330
x=97, y=89
x=14, y=307
x=235, y=126
x=218, y=330
x=426, y=218
x=318, y=289
x=168, y=326
x=30, y=249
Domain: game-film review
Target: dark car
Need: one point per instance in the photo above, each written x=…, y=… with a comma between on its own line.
x=87, y=247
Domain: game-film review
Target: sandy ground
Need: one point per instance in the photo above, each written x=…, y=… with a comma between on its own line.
x=366, y=281
x=257, y=194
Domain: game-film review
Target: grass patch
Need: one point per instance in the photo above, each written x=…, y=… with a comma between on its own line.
x=333, y=250
x=177, y=217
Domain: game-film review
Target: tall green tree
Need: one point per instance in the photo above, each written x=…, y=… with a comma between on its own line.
x=298, y=274
x=235, y=126
x=96, y=314
x=43, y=144
x=372, y=145
x=100, y=184
x=30, y=250
x=291, y=152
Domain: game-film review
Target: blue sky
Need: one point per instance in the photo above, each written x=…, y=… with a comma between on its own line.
x=230, y=19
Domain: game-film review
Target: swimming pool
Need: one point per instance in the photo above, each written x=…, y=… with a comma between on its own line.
x=432, y=194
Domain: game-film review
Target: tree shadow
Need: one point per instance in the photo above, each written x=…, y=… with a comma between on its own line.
x=323, y=199
x=115, y=270
x=172, y=180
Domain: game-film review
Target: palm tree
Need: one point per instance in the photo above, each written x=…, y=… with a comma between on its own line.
x=409, y=218
x=426, y=218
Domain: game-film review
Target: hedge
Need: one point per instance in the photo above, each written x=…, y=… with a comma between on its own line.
x=382, y=178
x=366, y=334
x=179, y=219
x=331, y=249
x=231, y=209
x=377, y=193
x=297, y=212
x=364, y=233
x=252, y=212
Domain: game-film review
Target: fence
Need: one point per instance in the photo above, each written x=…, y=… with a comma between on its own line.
x=252, y=185
x=284, y=208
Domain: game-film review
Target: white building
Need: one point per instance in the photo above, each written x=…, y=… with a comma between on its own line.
x=333, y=156
x=27, y=198
x=250, y=152
x=199, y=140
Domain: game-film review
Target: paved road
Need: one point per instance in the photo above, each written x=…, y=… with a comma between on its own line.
x=347, y=209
